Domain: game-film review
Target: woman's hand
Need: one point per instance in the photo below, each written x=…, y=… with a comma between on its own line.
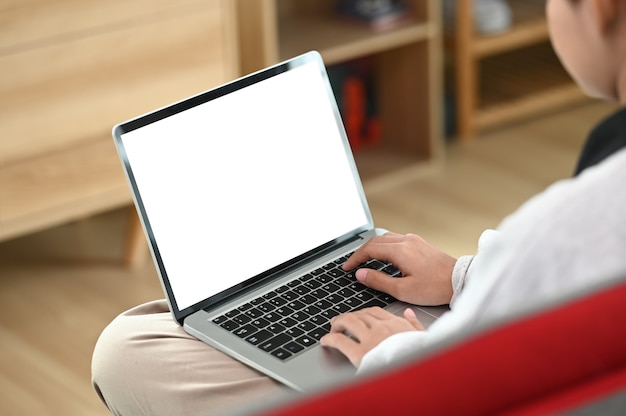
x=356, y=333
x=426, y=270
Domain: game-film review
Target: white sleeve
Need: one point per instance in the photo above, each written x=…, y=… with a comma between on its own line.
x=462, y=272
x=392, y=349
x=459, y=277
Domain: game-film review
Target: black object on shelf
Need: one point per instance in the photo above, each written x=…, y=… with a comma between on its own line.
x=379, y=15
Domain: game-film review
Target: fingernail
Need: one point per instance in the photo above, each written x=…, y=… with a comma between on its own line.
x=361, y=274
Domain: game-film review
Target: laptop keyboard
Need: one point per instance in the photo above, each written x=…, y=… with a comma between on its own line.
x=288, y=320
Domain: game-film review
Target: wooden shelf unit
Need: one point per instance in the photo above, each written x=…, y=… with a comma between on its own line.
x=407, y=62
x=505, y=77
x=73, y=69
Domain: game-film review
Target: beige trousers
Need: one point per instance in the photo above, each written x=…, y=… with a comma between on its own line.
x=145, y=364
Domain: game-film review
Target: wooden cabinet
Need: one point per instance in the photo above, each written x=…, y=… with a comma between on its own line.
x=70, y=71
x=504, y=77
x=407, y=68
x=74, y=68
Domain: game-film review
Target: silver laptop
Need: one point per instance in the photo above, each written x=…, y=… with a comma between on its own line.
x=250, y=199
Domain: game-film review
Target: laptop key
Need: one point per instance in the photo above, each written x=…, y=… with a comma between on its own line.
x=318, y=294
x=242, y=319
x=329, y=313
x=274, y=342
x=229, y=325
x=317, y=333
x=374, y=264
x=293, y=347
x=232, y=313
x=296, y=305
x=342, y=308
x=288, y=322
x=294, y=332
x=278, y=301
x=311, y=310
x=282, y=289
x=364, y=296
x=257, y=301
x=388, y=299
x=330, y=287
x=353, y=302
x=259, y=337
x=375, y=292
x=372, y=303
x=334, y=298
x=336, y=272
x=306, y=326
x=254, y=313
x=318, y=319
x=306, y=341
x=299, y=316
x=357, y=287
x=302, y=290
x=245, y=331
x=266, y=307
x=392, y=270
x=284, y=311
x=244, y=307
x=324, y=278
x=343, y=281
x=276, y=328
x=305, y=277
x=289, y=296
x=219, y=319
x=308, y=299
x=281, y=354
x=323, y=304
x=270, y=295
x=313, y=284
x=260, y=323
x=272, y=317
x=329, y=266
x=346, y=293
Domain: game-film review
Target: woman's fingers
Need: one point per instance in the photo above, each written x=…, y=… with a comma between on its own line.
x=409, y=315
x=379, y=247
x=355, y=334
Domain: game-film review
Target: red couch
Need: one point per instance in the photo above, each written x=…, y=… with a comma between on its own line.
x=564, y=358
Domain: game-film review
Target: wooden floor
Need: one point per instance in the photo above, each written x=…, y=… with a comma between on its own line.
x=62, y=286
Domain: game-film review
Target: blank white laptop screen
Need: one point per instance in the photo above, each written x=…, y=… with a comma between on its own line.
x=245, y=182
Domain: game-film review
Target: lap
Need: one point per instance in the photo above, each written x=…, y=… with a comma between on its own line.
x=147, y=364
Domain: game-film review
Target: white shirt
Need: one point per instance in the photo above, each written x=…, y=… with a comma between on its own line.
x=564, y=242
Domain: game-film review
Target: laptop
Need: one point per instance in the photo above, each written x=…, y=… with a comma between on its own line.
x=250, y=199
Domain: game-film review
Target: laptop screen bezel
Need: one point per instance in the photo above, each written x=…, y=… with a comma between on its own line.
x=178, y=107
